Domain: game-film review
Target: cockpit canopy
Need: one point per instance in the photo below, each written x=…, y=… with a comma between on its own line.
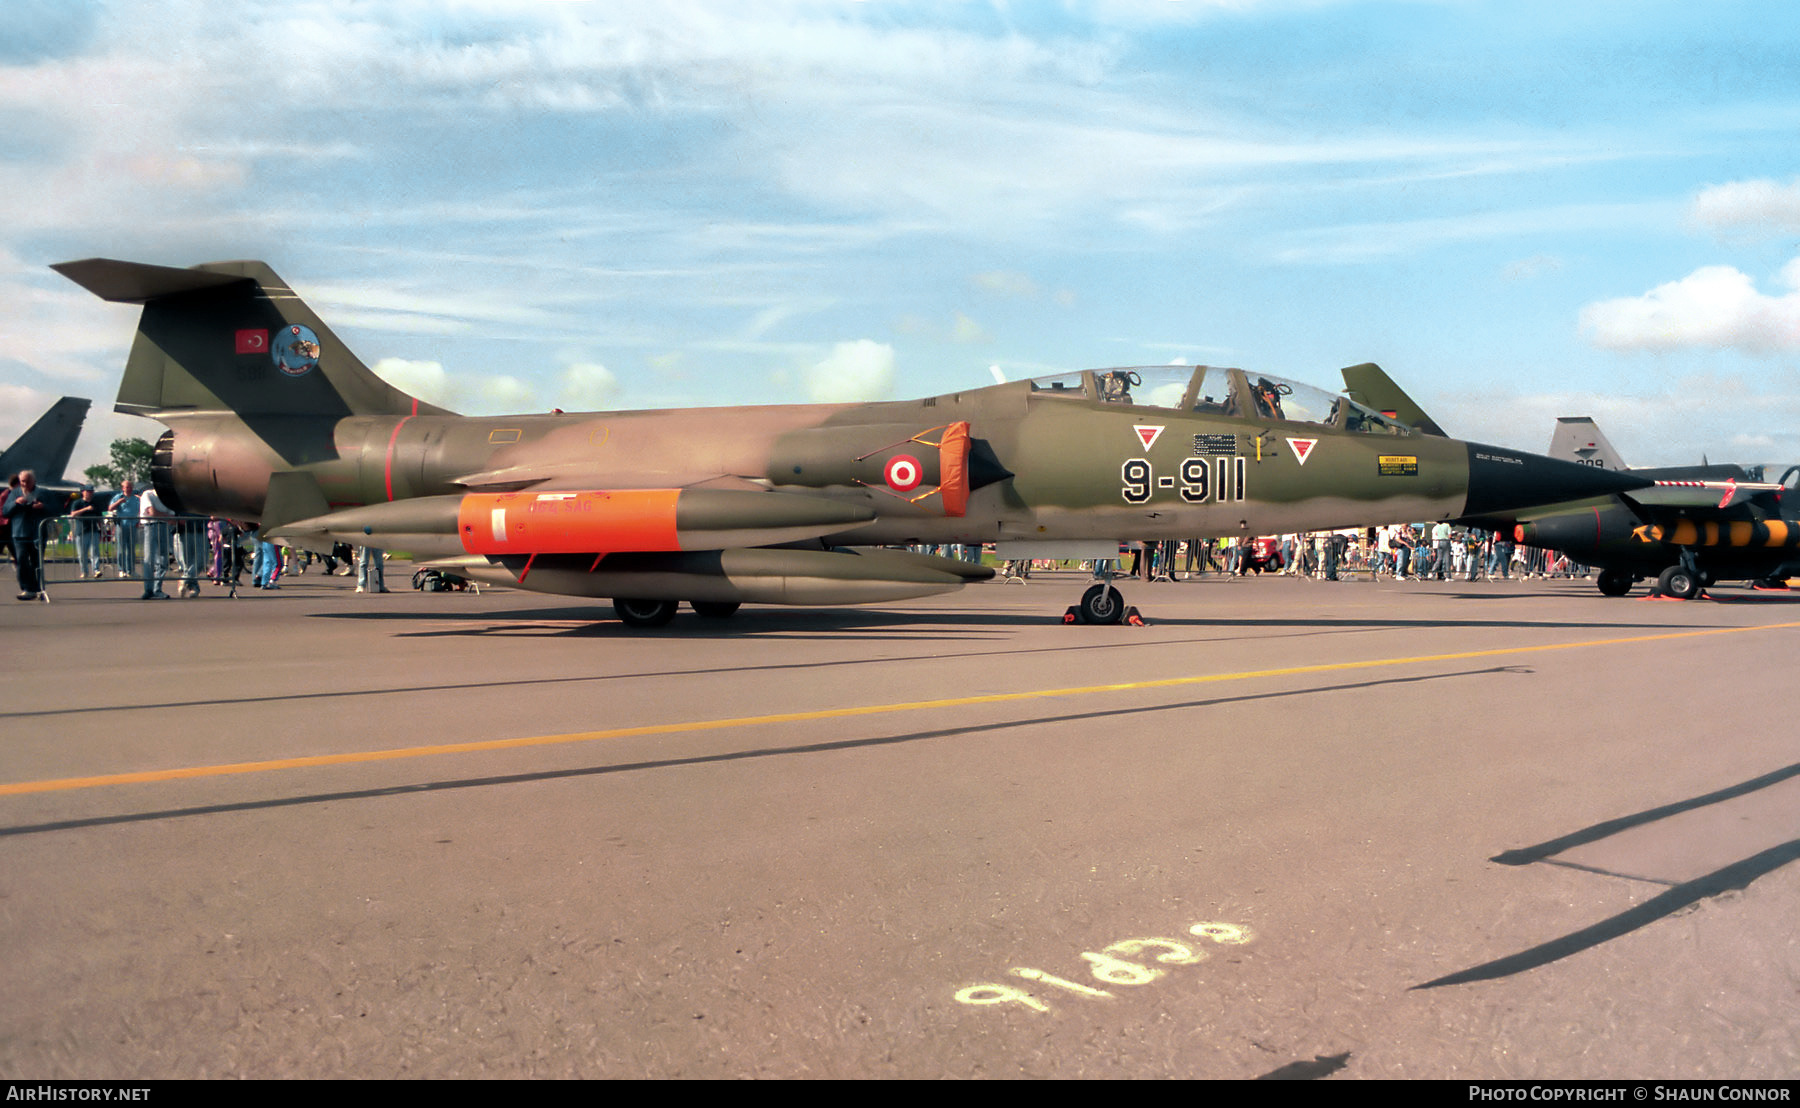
x=1216, y=391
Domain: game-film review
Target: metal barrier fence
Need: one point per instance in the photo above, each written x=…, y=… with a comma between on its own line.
x=159, y=551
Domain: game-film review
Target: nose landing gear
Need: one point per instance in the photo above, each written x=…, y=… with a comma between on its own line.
x=1103, y=604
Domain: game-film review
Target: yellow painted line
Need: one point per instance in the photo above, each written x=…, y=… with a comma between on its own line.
x=23, y=788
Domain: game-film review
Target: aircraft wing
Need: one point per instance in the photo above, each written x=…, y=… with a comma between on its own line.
x=1699, y=499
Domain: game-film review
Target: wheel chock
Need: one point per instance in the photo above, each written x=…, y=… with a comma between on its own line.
x=1133, y=617
x=1073, y=615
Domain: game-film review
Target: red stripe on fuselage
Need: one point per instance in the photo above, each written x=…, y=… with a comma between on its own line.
x=387, y=474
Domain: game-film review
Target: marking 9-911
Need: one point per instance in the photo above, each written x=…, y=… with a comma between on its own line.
x=1202, y=479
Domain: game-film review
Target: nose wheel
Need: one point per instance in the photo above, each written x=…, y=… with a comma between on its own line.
x=1103, y=604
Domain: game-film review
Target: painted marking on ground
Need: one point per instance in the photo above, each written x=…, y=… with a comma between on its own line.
x=1110, y=965
x=23, y=788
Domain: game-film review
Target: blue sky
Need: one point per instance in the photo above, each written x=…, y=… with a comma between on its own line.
x=1521, y=210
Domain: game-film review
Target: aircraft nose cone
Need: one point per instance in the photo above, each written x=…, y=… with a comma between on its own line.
x=1502, y=480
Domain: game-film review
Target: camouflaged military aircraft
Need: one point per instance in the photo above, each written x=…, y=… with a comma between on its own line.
x=273, y=420
x=1695, y=526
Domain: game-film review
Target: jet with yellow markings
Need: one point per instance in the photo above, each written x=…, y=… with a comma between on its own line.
x=273, y=420
x=1696, y=525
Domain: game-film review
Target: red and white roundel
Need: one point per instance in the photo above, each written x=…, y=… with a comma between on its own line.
x=902, y=473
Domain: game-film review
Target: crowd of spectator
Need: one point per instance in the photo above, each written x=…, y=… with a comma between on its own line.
x=1417, y=552
x=133, y=535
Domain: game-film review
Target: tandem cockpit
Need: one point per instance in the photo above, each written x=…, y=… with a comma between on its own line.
x=1211, y=390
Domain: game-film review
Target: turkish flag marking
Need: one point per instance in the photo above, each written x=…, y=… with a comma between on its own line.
x=253, y=341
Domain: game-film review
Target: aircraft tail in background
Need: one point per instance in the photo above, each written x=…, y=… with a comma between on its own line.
x=1578, y=439
x=46, y=445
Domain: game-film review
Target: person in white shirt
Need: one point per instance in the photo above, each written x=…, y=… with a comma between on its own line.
x=153, y=521
x=1440, y=541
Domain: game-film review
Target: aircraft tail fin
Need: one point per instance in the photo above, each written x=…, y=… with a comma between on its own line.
x=46, y=445
x=1578, y=439
x=232, y=336
x=1369, y=385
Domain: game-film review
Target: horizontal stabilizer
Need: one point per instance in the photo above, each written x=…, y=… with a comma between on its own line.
x=138, y=283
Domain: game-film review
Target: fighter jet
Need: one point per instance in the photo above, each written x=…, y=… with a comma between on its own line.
x=46, y=445
x=1696, y=525
x=1700, y=524
x=273, y=420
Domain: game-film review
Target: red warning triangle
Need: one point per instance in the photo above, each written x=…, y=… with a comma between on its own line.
x=1148, y=434
x=1302, y=448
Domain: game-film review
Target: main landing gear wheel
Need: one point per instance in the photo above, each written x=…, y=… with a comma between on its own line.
x=1101, y=604
x=1614, y=582
x=645, y=613
x=1680, y=583
x=715, y=609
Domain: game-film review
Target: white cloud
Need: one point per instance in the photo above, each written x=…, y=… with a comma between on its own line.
x=1760, y=207
x=58, y=330
x=425, y=380
x=966, y=330
x=437, y=311
x=1526, y=269
x=502, y=394
x=587, y=387
x=1364, y=242
x=1713, y=307
x=853, y=372
x=162, y=128
x=20, y=407
x=1006, y=283
x=581, y=386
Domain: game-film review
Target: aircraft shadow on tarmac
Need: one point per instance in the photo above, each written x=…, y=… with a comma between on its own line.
x=1736, y=876
x=1321, y=1066
x=534, y=624
x=935, y=653
x=801, y=749
x=965, y=623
